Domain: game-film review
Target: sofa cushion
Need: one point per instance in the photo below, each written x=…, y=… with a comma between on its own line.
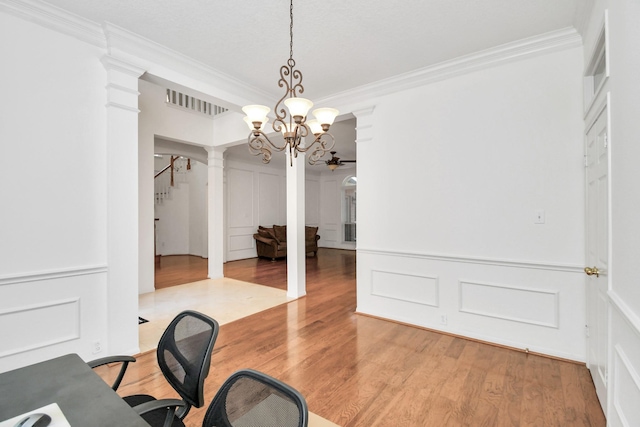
x=280, y=231
x=310, y=233
x=267, y=233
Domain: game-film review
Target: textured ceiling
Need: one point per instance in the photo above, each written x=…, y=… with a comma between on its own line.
x=338, y=44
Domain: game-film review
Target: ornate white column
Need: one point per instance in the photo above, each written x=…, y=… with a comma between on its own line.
x=366, y=194
x=296, y=257
x=122, y=205
x=215, y=211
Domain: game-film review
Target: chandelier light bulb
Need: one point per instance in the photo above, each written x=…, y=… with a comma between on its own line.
x=249, y=123
x=298, y=107
x=256, y=113
x=288, y=128
x=315, y=126
x=325, y=116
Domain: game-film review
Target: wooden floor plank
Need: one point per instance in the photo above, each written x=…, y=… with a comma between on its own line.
x=357, y=370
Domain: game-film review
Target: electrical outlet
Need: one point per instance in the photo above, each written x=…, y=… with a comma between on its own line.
x=539, y=217
x=96, y=347
x=443, y=319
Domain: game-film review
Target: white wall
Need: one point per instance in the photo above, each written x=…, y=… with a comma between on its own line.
x=53, y=273
x=624, y=288
x=446, y=235
x=256, y=195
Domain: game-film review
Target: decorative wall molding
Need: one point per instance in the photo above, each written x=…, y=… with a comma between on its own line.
x=421, y=289
x=526, y=48
x=475, y=260
x=626, y=387
x=52, y=274
x=62, y=325
x=625, y=311
x=152, y=56
x=122, y=86
x=56, y=19
x=364, y=124
x=487, y=301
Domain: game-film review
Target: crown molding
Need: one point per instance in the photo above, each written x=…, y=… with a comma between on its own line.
x=170, y=65
x=582, y=15
x=526, y=48
x=55, y=19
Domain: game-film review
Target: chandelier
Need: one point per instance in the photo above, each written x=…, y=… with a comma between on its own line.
x=292, y=123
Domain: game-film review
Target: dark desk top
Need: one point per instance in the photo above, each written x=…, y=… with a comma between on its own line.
x=85, y=399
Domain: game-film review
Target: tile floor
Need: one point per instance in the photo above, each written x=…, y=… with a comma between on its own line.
x=223, y=299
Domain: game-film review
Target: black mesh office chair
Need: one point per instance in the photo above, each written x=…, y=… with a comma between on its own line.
x=184, y=357
x=250, y=398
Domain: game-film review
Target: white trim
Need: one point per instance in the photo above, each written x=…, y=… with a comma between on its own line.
x=56, y=19
x=627, y=314
x=53, y=274
x=59, y=340
x=122, y=107
x=553, y=324
x=633, y=374
x=591, y=94
x=122, y=89
x=144, y=53
x=436, y=279
x=475, y=260
x=545, y=43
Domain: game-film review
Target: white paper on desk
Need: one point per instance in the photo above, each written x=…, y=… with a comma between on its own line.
x=53, y=410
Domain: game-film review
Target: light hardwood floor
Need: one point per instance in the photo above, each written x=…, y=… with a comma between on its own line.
x=357, y=370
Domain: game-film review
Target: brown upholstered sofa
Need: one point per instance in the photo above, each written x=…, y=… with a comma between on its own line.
x=272, y=242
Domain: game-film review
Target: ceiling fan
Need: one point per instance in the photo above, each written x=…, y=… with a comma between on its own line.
x=335, y=162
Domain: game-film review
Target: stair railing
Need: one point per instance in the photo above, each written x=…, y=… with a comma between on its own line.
x=163, y=181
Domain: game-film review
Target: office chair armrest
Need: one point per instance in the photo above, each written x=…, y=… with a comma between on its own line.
x=169, y=404
x=125, y=360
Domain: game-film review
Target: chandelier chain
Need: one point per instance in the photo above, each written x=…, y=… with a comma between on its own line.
x=291, y=31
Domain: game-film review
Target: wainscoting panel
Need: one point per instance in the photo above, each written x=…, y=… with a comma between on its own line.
x=520, y=304
x=241, y=242
x=240, y=190
x=312, y=201
x=624, y=368
x=329, y=235
x=46, y=314
x=536, y=307
x=48, y=324
x=270, y=201
x=405, y=287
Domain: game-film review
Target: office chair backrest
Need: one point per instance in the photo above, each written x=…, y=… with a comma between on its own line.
x=250, y=398
x=184, y=354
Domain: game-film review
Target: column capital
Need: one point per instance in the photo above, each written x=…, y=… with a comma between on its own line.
x=215, y=156
x=364, y=112
x=364, y=124
x=122, y=84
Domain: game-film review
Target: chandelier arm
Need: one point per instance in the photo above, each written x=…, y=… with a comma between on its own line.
x=257, y=147
x=260, y=144
x=321, y=146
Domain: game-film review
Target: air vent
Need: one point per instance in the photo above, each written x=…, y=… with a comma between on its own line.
x=190, y=103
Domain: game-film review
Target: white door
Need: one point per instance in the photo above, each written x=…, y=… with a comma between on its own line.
x=597, y=177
